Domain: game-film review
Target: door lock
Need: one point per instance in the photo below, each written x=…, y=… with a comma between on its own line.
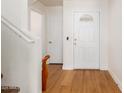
x=74, y=43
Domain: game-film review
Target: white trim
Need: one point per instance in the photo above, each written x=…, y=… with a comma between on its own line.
x=17, y=31
x=98, y=10
x=103, y=67
x=67, y=68
x=116, y=79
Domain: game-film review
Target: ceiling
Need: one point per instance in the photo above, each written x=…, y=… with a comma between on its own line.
x=52, y=2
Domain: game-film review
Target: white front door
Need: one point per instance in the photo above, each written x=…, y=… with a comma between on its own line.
x=86, y=40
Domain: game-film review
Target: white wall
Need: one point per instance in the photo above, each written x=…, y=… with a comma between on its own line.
x=54, y=33
x=115, y=49
x=85, y=5
x=36, y=9
x=20, y=62
x=16, y=11
x=36, y=25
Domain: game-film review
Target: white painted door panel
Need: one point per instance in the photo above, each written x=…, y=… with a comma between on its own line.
x=54, y=34
x=86, y=40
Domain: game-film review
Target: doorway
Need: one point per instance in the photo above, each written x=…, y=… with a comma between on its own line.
x=54, y=34
x=86, y=40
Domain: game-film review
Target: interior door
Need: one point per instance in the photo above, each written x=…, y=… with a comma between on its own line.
x=54, y=35
x=86, y=40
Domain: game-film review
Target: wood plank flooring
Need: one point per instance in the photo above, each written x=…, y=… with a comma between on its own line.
x=79, y=81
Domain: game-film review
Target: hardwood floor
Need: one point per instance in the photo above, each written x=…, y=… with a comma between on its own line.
x=79, y=81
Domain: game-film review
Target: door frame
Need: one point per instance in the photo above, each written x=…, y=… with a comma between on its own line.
x=92, y=11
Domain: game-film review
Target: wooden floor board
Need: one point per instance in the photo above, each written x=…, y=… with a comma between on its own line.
x=79, y=81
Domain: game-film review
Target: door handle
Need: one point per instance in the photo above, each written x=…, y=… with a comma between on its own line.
x=75, y=39
x=74, y=43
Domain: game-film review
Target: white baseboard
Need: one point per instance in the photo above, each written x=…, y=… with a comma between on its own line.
x=103, y=67
x=67, y=68
x=71, y=68
x=117, y=81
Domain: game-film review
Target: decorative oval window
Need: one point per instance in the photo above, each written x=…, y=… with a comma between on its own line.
x=86, y=18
